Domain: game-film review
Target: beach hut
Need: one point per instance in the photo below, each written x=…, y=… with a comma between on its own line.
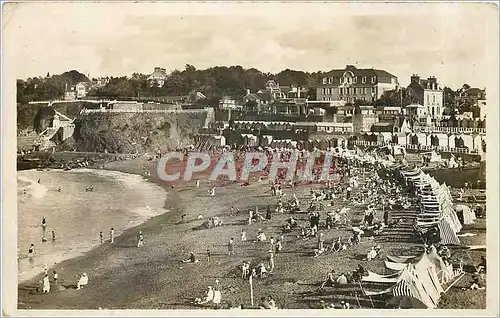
x=477, y=141
x=451, y=140
x=468, y=215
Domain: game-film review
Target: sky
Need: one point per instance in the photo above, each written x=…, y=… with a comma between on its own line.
x=456, y=42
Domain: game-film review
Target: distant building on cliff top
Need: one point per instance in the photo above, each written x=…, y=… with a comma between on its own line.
x=158, y=76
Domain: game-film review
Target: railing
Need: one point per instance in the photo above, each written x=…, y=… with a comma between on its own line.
x=167, y=111
x=416, y=147
x=451, y=130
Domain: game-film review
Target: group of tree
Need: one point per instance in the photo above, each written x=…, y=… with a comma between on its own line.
x=214, y=83
x=48, y=87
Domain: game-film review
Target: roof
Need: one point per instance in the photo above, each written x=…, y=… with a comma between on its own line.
x=385, y=124
x=265, y=96
x=158, y=74
x=414, y=106
x=389, y=108
x=366, y=107
x=473, y=91
x=359, y=72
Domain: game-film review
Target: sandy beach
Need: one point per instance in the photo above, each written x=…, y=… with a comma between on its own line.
x=124, y=276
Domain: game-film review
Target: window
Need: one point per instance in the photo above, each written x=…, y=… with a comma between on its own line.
x=324, y=91
x=324, y=80
x=330, y=80
x=433, y=98
x=428, y=99
x=363, y=79
x=331, y=91
x=355, y=80
x=364, y=90
x=374, y=79
x=341, y=90
x=374, y=90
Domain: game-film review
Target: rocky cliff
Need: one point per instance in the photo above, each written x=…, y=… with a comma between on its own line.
x=133, y=132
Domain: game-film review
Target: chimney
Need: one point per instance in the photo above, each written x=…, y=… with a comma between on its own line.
x=415, y=78
x=157, y=69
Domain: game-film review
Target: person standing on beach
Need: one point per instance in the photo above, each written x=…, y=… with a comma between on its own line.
x=112, y=236
x=100, y=236
x=46, y=284
x=243, y=235
x=44, y=227
x=53, y=236
x=208, y=254
x=140, y=240
x=31, y=251
x=56, y=276
x=230, y=247
x=198, y=183
x=271, y=261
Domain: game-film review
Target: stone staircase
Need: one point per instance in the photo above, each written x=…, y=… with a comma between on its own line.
x=400, y=233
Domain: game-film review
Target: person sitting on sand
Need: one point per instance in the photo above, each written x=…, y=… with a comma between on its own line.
x=209, y=296
x=371, y=254
x=336, y=246
x=83, y=281
x=291, y=221
x=191, y=259
x=341, y=280
x=211, y=192
x=261, y=237
x=262, y=270
x=476, y=285
x=329, y=281
x=264, y=304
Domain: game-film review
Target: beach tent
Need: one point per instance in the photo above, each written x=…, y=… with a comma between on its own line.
x=446, y=233
x=469, y=215
x=435, y=157
x=418, y=285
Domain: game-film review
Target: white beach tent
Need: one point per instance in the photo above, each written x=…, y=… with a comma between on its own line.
x=469, y=215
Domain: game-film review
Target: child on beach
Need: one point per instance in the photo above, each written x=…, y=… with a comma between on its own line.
x=140, y=240
x=56, y=276
x=112, y=235
x=53, y=236
x=31, y=251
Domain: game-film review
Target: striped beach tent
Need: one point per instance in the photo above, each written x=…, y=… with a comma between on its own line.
x=446, y=233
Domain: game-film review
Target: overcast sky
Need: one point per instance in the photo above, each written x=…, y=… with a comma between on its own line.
x=454, y=42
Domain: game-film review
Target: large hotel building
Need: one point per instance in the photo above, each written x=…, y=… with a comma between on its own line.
x=351, y=84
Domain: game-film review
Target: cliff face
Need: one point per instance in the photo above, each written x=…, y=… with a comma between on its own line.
x=134, y=132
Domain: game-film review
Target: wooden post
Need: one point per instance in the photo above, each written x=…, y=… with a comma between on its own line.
x=251, y=289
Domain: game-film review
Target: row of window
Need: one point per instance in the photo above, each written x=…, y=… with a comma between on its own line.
x=348, y=80
x=347, y=99
x=350, y=90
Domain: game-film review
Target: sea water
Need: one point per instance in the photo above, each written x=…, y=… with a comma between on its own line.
x=118, y=200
